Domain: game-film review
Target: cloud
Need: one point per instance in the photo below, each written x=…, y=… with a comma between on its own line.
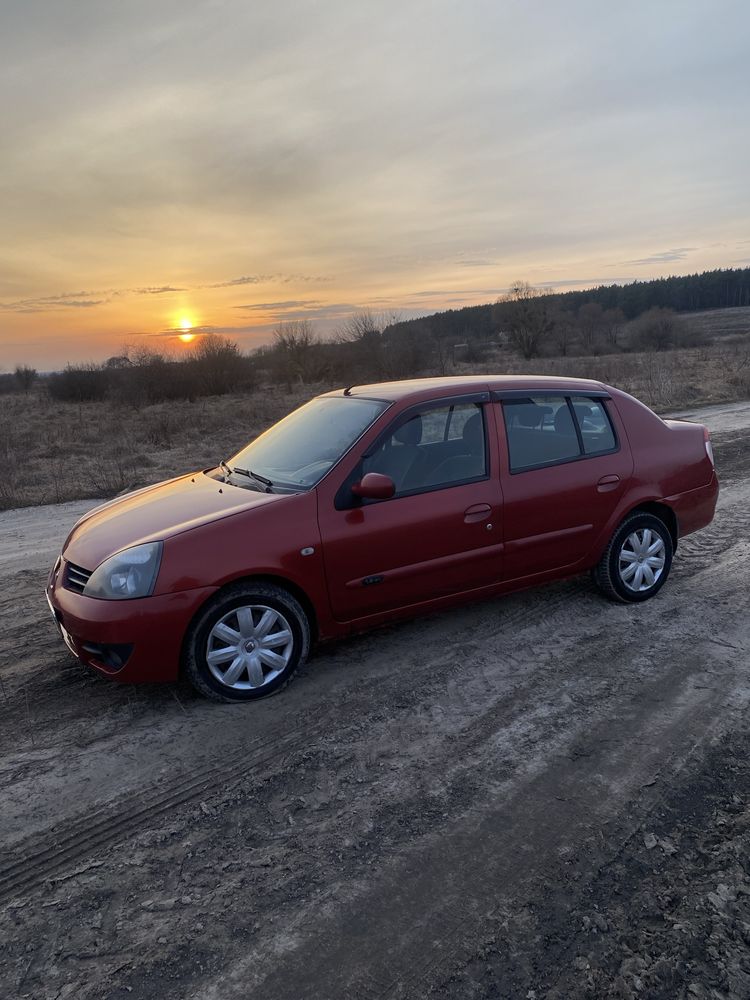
x=273, y=306
x=48, y=303
x=257, y=279
x=432, y=292
x=157, y=290
x=311, y=309
x=249, y=279
x=287, y=279
x=586, y=282
x=664, y=257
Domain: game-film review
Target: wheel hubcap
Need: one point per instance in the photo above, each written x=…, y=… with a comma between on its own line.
x=249, y=647
x=642, y=559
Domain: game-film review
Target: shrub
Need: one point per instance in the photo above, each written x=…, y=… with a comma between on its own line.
x=655, y=330
x=25, y=377
x=79, y=384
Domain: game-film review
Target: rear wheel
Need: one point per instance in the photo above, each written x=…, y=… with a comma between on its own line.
x=636, y=563
x=246, y=643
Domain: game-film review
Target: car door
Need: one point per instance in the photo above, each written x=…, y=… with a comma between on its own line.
x=439, y=534
x=565, y=463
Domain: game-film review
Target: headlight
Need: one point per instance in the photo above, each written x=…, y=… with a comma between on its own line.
x=127, y=574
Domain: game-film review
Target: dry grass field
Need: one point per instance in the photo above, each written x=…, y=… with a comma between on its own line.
x=52, y=452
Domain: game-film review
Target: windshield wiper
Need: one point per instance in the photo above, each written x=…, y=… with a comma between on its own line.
x=265, y=483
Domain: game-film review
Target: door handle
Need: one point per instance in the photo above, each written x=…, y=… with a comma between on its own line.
x=477, y=512
x=607, y=483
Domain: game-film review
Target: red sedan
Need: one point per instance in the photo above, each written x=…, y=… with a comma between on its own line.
x=375, y=503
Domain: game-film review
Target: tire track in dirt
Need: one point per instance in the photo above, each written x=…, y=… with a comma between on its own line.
x=36, y=860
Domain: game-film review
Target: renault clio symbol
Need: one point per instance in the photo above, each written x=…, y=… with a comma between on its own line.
x=375, y=503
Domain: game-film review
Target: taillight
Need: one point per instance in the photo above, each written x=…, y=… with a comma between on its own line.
x=707, y=443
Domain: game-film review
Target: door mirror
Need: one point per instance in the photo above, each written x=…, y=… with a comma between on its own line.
x=374, y=486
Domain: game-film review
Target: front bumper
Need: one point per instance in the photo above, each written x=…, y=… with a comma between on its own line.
x=146, y=633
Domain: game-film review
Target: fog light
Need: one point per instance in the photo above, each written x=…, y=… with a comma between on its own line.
x=113, y=656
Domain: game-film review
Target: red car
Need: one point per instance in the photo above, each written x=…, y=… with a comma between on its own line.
x=375, y=503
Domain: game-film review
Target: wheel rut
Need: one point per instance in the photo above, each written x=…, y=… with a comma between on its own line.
x=40, y=858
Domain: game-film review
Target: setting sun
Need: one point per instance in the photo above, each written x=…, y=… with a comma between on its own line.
x=185, y=324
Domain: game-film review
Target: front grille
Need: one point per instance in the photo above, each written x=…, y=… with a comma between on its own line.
x=76, y=577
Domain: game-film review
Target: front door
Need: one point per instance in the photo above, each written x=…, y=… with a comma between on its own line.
x=439, y=534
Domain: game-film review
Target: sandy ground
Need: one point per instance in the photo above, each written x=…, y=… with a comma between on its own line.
x=546, y=795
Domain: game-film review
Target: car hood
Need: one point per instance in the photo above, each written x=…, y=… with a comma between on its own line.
x=155, y=513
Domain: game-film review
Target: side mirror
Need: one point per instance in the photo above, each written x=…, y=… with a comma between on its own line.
x=374, y=486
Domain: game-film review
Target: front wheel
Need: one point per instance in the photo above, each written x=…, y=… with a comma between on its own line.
x=246, y=643
x=636, y=563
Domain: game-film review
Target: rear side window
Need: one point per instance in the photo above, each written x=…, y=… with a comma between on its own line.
x=540, y=431
x=596, y=430
x=547, y=430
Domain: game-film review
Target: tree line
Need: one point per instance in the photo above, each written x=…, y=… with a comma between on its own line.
x=373, y=347
x=718, y=289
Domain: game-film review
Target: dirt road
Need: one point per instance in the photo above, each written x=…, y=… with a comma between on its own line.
x=542, y=796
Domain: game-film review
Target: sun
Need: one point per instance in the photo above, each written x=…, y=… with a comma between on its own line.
x=185, y=324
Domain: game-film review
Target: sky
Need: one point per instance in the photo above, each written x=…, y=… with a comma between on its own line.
x=232, y=164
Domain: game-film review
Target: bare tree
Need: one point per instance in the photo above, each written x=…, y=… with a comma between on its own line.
x=526, y=316
x=655, y=329
x=25, y=377
x=590, y=319
x=294, y=347
x=442, y=350
x=219, y=363
x=365, y=352
x=563, y=331
x=361, y=327
x=613, y=322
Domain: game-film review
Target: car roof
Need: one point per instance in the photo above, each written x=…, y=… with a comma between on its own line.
x=421, y=388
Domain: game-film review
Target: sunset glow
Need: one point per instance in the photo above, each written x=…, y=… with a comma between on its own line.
x=259, y=169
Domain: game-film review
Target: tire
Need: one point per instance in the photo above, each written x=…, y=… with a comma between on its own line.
x=246, y=643
x=613, y=574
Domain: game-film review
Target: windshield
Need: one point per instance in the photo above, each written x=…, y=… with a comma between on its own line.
x=299, y=450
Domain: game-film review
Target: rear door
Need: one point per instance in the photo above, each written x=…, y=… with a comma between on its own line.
x=440, y=534
x=565, y=463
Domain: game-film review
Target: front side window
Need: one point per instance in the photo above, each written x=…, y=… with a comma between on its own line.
x=438, y=446
x=298, y=451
